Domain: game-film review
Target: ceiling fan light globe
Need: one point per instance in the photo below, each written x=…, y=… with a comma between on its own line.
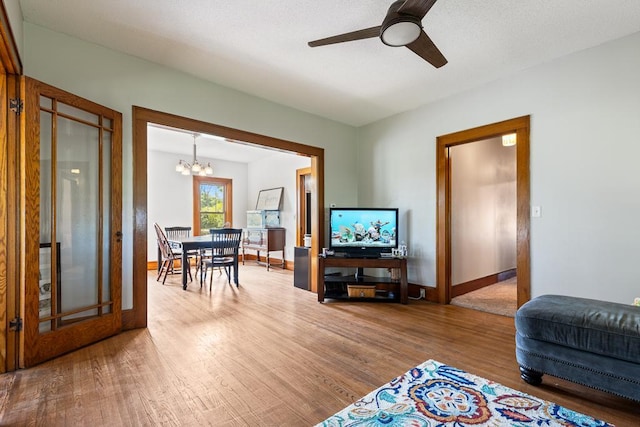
x=400, y=33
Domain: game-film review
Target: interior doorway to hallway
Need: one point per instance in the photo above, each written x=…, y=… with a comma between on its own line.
x=519, y=126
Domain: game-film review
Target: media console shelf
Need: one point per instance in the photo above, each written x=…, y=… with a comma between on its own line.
x=335, y=287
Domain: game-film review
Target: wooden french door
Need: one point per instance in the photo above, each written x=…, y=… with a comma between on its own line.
x=71, y=168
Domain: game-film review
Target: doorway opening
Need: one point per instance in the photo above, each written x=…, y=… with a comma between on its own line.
x=142, y=117
x=520, y=127
x=304, y=192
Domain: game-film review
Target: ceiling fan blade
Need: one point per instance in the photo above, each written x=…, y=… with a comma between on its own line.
x=367, y=33
x=426, y=49
x=417, y=8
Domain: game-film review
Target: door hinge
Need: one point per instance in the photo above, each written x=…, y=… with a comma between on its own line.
x=15, y=324
x=16, y=105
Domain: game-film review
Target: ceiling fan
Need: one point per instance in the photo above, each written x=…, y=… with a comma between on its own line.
x=402, y=26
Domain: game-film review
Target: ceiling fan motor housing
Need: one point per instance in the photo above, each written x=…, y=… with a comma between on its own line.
x=399, y=29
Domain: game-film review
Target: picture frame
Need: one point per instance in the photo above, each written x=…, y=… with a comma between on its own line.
x=270, y=199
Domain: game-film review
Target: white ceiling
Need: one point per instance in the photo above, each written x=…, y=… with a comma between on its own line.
x=179, y=142
x=260, y=47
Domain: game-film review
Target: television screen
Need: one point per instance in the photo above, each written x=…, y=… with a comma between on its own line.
x=363, y=231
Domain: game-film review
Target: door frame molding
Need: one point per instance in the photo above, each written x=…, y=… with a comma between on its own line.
x=301, y=208
x=137, y=316
x=520, y=126
x=11, y=342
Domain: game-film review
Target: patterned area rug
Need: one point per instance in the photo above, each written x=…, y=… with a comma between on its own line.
x=433, y=394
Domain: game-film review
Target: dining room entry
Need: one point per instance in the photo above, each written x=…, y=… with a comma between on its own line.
x=142, y=119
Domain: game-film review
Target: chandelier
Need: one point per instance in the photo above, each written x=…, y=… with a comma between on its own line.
x=195, y=168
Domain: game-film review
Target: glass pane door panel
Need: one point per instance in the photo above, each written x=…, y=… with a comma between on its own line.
x=77, y=214
x=106, y=207
x=45, y=273
x=78, y=113
x=45, y=177
x=46, y=102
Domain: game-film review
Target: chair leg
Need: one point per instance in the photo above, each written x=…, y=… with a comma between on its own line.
x=166, y=269
x=203, y=272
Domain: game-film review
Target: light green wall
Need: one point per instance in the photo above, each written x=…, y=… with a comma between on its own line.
x=585, y=111
x=120, y=81
x=583, y=107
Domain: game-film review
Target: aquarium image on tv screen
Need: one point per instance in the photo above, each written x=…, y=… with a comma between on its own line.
x=363, y=228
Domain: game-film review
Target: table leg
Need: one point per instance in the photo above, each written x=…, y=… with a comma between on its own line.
x=235, y=272
x=183, y=267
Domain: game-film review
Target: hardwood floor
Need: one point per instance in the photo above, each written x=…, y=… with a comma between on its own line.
x=268, y=354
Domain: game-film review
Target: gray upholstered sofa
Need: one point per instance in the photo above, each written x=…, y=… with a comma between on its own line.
x=590, y=342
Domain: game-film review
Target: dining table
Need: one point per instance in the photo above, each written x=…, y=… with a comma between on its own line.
x=198, y=242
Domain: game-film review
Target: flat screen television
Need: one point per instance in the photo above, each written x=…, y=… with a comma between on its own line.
x=363, y=232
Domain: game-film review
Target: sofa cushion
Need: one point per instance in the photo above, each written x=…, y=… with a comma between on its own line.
x=606, y=328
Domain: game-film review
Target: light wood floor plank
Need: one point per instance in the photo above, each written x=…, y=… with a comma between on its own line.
x=269, y=354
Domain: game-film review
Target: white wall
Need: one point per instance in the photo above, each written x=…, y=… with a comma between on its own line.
x=121, y=81
x=278, y=171
x=584, y=168
x=14, y=13
x=483, y=209
x=170, y=194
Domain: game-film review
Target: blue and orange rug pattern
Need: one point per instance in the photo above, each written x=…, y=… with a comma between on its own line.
x=434, y=394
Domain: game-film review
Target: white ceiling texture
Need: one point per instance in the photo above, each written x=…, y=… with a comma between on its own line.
x=260, y=47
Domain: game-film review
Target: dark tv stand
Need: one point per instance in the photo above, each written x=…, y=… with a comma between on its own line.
x=338, y=282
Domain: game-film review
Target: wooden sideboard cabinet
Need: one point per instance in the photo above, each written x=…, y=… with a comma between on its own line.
x=265, y=240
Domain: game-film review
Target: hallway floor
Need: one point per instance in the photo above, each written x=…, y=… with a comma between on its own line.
x=500, y=298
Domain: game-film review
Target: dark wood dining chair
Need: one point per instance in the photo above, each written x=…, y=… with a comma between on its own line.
x=177, y=233
x=225, y=246
x=205, y=254
x=169, y=255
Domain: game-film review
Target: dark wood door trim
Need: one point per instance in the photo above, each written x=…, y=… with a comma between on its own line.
x=521, y=126
x=301, y=206
x=137, y=316
x=10, y=87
